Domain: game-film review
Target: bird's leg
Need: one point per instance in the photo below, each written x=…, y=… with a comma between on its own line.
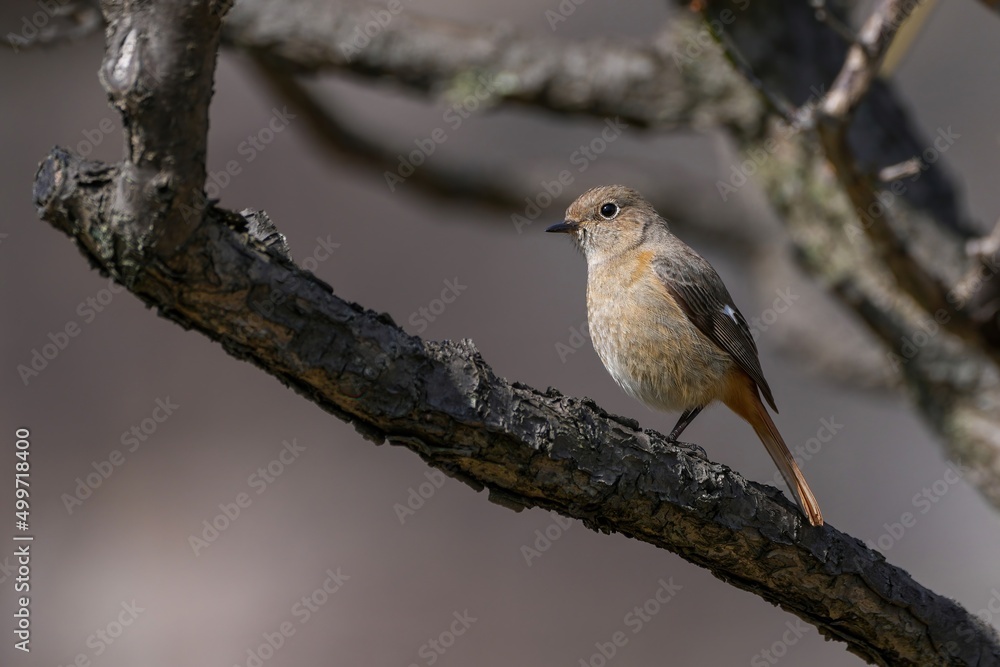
x=686, y=418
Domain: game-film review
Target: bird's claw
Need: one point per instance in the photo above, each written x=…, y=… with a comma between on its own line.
x=694, y=450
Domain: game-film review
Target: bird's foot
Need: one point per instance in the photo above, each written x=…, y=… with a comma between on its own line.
x=694, y=450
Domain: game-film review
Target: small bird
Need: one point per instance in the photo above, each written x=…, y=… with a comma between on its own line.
x=664, y=325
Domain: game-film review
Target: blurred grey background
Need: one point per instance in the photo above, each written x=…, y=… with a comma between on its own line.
x=116, y=580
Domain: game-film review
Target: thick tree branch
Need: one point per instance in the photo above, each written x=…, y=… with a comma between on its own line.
x=158, y=70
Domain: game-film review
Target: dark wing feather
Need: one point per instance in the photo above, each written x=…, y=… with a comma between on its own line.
x=701, y=294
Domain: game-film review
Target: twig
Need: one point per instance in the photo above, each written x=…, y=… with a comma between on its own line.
x=898, y=171
x=831, y=20
x=864, y=59
x=165, y=143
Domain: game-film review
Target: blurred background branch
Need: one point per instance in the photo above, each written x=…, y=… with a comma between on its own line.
x=67, y=21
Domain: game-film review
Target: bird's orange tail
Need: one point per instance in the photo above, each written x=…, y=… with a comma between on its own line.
x=743, y=399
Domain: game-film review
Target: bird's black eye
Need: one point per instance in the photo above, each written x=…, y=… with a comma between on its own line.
x=609, y=210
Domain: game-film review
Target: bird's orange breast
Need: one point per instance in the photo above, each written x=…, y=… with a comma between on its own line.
x=644, y=338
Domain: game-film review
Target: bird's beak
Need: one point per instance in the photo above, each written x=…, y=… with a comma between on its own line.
x=564, y=227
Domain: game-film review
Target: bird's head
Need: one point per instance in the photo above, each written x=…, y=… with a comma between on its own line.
x=609, y=220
